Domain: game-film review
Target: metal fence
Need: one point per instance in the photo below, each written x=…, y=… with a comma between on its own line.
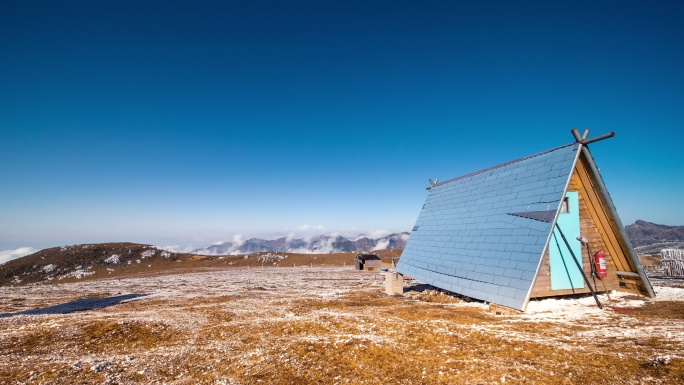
x=673, y=262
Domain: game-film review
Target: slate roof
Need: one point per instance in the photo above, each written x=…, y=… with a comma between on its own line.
x=368, y=257
x=482, y=235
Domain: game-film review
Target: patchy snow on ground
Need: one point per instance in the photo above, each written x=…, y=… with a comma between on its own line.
x=114, y=259
x=581, y=307
x=575, y=308
x=249, y=325
x=664, y=293
x=147, y=253
x=78, y=273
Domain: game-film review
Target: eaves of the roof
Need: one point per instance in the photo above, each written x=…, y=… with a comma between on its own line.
x=616, y=218
x=504, y=164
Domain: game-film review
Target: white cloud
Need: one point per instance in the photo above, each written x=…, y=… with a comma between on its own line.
x=8, y=255
x=377, y=234
x=206, y=252
x=326, y=246
x=318, y=245
x=179, y=248
x=289, y=237
x=306, y=227
x=374, y=234
x=237, y=240
x=382, y=245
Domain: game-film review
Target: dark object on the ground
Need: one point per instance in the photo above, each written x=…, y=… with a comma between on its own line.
x=78, y=305
x=368, y=262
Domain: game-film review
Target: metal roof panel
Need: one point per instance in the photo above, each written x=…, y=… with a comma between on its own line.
x=466, y=225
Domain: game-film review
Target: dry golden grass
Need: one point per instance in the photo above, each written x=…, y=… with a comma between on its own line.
x=661, y=310
x=437, y=297
x=122, y=336
x=260, y=335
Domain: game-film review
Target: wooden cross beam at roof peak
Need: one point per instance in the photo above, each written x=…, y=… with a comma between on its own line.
x=583, y=138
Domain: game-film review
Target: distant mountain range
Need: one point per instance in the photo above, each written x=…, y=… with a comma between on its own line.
x=647, y=237
x=112, y=259
x=321, y=244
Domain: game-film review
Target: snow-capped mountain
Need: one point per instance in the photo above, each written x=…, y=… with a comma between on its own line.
x=320, y=244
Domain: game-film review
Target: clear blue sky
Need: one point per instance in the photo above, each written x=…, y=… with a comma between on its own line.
x=187, y=123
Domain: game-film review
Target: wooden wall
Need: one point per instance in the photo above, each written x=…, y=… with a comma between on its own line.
x=597, y=225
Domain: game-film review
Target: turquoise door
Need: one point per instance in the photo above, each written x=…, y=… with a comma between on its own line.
x=564, y=271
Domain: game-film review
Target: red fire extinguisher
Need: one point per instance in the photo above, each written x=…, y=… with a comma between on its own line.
x=601, y=266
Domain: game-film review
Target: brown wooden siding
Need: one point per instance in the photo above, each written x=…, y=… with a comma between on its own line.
x=600, y=229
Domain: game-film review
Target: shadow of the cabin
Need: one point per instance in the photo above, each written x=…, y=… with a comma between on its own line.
x=78, y=305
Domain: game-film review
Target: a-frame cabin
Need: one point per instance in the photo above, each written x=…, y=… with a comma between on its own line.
x=517, y=231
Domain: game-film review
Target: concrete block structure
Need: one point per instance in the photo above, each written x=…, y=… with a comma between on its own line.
x=394, y=283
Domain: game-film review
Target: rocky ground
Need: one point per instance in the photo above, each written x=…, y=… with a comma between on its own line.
x=325, y=325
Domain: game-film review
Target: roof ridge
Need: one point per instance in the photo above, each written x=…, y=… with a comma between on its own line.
x=504, y=164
